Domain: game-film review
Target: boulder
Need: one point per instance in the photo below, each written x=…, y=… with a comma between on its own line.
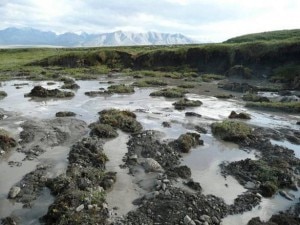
x=13, y=192
x=151, y=165
x=242, y=115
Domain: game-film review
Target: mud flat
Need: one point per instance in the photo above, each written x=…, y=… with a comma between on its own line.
x=173, y=169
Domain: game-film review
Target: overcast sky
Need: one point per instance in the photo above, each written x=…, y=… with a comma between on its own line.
x=203, y=20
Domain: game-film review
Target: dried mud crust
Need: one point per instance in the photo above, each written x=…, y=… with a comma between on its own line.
x=39, y=136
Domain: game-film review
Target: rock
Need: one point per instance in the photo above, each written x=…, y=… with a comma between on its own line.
x=152, y=165
x=250, y=185
x=188, y=221
x=9, y=221
x=65, y=114
x=13, y=192
x=292, y=98
x=183, y=172
x=205, y=218
x=3, y=94
x=39, y=91
x=268, y=189
x=6, y=142
x=238, y=87
x=151, y=195
x=186, y=141
x=166, y=124
x=133, y=157
x=201, y=130
x=192, y=114
x=72, y=86
x=242, y=115
x=79, y=208
x=95, y=93
x=103, y=131
x=298, y=123
x=193, y=185
x=293, y=139
x=183, y=103
x=286, y=195
x=215, y=220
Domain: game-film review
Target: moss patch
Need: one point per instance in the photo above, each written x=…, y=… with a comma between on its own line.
x=170, y=93
x=186, y=141
x=149, y=83
x=183, y=103
x=231, y=130
x=120, y=89
x=6, y=142
x=3, y=94
x=124, y=120
x=254, y=98
x=39, y=91
x=293, y=107
x=65, y=114
x=103, y=131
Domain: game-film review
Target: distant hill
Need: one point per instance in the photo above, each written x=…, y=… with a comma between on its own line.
x=30, y=36
x=267, y=36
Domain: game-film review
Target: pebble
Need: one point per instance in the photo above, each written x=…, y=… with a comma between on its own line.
x=79, y=208
x=250, y=185
x=151, y=194
x=152, y=165
x=188, y=221
x=205, y=218
x=133, y=157
x=286, y=195
x=14, y=191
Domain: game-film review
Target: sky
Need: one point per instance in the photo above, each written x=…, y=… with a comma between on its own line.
x=202, y=20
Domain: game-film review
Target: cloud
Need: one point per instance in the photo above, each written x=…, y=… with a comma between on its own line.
x=213, y=20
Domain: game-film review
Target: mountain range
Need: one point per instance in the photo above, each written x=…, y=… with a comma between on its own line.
x=34, y=37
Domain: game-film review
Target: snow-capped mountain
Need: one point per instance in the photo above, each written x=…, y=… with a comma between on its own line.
x=30, y=36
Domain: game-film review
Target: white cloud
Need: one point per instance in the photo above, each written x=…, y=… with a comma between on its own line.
x=214, y=20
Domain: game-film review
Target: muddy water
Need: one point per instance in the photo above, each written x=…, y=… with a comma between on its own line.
x=204, y=162
x=124, y=187
x=151, y=112
x=265, y=210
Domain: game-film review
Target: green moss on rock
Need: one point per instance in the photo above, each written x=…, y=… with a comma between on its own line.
x=3, y=94
x=170, y=93
x=6, y=142
x=231, y=130
x=183, y=103
x=39, y=91
x=65, y=114
x=149, y=83
x=186, y=141
x=103, y=131
x=120, y=89
x=124, y=120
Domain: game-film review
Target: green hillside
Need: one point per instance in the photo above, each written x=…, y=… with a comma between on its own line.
x=279, y=35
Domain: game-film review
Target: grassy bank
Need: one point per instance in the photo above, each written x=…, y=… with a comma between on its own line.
x=278, y=59
x=293, y=107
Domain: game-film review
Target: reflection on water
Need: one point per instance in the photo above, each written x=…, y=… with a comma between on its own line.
x=265, y=210
x=204, y=162
x=124, y=188
x=289, y=145
x=151, y=112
